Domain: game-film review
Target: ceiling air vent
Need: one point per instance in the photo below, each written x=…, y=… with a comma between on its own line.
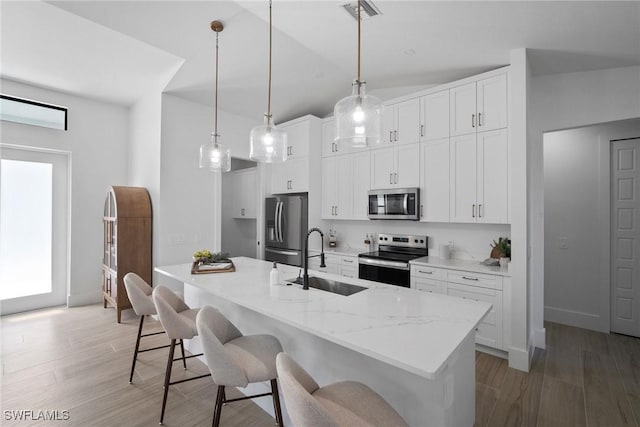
x=368, y=9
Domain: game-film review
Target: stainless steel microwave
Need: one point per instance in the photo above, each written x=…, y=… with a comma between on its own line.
x=396, y=203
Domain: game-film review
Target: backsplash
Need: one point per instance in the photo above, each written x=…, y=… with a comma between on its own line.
x=470, y=241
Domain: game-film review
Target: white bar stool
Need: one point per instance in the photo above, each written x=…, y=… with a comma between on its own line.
x=236, y=360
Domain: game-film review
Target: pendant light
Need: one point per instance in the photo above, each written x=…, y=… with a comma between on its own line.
x=268, y=143
x=358, y=117
x=213, y=155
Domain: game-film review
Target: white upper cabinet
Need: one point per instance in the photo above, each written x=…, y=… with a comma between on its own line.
x=434, y=181
x=329, y=146
x=243, y=188
x=401, y=122
x=479, y=177
x=395, y=167
x=434, y=115
x=337, y=187
x=297, y=139
x=492, y=103
x=291, y=176
x=361, y=184
x=478, y=106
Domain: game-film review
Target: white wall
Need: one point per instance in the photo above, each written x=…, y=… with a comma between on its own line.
x=97, y=140
x=576, y=207
x=562, y=101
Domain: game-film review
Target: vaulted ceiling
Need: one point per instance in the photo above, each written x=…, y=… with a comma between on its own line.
x=115, y=49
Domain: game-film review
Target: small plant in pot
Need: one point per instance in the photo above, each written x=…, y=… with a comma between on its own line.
x=205, y=256
x=501, y=248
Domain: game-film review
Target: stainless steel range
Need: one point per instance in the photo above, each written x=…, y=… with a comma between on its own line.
x=390, y=263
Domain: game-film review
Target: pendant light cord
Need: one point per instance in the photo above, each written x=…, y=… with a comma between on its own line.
x=358, y=81
x=215, y=121
x=270, y=54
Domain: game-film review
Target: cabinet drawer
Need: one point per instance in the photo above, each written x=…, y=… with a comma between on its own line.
x=421, y=271
x=489, y=331
x=349, y=272
x=427, y=285
x=475, y=279
x=349, y=261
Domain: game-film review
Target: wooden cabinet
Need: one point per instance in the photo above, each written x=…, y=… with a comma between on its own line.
x=395, y=167
x=401, y=122
x=434, y=116
x=337, y=187
x=243, y=187
x=479, y=177
x=127, y=226
x=468, y=285
x=434, y=181
x=478, y=106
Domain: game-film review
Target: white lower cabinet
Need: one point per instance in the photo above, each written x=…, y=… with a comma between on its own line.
x=340, y=264
x=468, y=285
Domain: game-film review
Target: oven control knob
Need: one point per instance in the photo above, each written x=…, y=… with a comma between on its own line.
x=421, y=241
x=416, y=240
x=381, y=238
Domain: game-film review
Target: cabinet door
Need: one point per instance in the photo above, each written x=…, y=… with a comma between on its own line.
x=361, y=184
x=329, y=187
x=493, y=176
x=383, y=168
x=344, y=187
x=434, y=191
x=492, y=103
x=388, y=124
x=435, y=116
x=462, y=107
x=463, y=178
x=408, y=122
x=329, y=146
x=248, y=187
x=407, y=166
x=297, y=139
x=299, y=174
x=279, y=178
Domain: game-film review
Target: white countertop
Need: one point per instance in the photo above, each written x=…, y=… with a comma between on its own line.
x=412, y=330
x=461, y=264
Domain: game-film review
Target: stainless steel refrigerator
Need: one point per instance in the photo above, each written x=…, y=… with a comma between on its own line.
x=286, y=225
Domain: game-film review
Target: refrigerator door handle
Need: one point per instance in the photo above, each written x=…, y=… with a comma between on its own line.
x=279, y=221
x=275, y=220
x=283, y=252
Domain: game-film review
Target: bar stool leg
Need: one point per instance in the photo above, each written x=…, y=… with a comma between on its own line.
x=184, y=361
x=135, y=352
x=276, y=402
x=218, y=409
x=167, y=378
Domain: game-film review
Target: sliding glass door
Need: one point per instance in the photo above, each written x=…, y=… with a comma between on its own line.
x=34, y=220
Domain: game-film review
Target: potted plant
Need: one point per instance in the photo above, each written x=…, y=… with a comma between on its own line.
x=501, y=250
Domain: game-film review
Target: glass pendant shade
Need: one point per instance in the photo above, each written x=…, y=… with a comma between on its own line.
x=268, y=143
x=215, y=156
x=358, y=118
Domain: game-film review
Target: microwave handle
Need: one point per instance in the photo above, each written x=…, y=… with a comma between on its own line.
x=406, y=203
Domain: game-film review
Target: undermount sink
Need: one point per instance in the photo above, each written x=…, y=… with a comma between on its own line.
x=330, y=285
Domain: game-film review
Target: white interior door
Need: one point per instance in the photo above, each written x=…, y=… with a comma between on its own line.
x=34, y=217
x=625, y=237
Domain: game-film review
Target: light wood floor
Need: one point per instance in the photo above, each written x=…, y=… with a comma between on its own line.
x=78, y=360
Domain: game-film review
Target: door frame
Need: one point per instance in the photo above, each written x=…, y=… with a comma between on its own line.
x=61, y=240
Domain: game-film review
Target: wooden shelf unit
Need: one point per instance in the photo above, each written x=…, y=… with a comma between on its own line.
x=127, y=223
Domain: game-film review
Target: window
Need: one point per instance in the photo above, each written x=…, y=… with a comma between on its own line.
x=34, y=113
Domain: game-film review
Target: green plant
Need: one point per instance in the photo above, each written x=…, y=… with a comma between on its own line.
x=502, y=247
x=203, y=253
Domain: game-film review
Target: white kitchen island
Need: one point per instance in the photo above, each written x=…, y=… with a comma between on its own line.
x=416, y=349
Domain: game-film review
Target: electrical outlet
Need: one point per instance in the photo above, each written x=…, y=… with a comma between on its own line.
x=563, y=243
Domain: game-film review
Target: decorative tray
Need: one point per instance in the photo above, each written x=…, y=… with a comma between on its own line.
x=199, y=267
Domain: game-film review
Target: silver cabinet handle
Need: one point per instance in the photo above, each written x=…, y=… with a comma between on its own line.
x=421, y=211
x=421, y=130
x=336, y=211
x=350, y=261
x=479, y=119
x=395, y=135
x=479, y=211
x=425, y=272
x=473, y=120
x=395, y=178
x=473, y=211
x=391, y=178
x=475, y=279
x=390, y=136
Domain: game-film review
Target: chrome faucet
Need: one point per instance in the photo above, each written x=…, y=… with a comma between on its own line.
x=305, y=277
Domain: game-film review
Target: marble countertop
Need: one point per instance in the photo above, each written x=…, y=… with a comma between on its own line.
x=412, y=330
x=461, y=264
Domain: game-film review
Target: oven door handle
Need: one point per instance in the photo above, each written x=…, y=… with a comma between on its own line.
x=384, y=263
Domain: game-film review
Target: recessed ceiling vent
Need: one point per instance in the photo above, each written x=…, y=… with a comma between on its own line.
x=368, y=9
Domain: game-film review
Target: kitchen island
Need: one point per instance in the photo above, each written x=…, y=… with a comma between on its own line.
x=415, y=349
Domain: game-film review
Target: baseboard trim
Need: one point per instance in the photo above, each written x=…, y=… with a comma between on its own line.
x=574, y=318
x=86, y=298
x=539, y=339
x=519, y=359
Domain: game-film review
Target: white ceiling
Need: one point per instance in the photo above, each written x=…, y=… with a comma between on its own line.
x=412, y=45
